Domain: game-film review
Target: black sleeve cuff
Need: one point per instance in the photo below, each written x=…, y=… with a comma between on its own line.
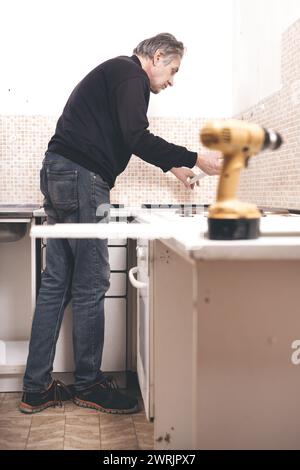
x=189, y=159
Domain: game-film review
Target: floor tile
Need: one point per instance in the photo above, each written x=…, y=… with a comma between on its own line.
x=71, y=427
x=144, y=431
x=117, y=432
x=14, y=432
x=10, y=404
x=46, y=432
x=82, y=432
x=15, y=421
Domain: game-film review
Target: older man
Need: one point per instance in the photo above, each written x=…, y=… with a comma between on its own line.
x=103, y=123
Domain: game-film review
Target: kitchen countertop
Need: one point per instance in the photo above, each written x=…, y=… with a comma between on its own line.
x=280, y=235
x=17, y=211
x=279, y=239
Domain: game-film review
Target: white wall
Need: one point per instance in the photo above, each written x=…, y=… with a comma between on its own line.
x=47, y=46
x=258, y=27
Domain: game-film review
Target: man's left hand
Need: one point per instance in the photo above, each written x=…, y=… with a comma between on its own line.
x=184, y=174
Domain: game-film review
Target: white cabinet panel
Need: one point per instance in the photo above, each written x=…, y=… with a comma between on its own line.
x=15, y=289
x=114, y=352
x=117, y=284
x=117, y=241
x=117, y=258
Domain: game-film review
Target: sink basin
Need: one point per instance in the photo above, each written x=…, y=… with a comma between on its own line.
x=12, y=231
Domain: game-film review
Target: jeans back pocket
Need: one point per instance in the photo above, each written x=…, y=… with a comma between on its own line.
x=63, y=189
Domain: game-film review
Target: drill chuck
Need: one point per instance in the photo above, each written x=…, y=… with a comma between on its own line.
x=272, y=141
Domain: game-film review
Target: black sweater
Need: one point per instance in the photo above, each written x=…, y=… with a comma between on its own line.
x=104, y=122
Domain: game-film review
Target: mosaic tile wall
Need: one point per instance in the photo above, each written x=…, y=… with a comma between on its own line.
x=23, y=140
x=272, y=179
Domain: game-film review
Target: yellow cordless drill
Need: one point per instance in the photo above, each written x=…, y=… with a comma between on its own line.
x=229, y=218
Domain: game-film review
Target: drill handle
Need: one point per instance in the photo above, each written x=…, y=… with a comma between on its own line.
x=230, y=174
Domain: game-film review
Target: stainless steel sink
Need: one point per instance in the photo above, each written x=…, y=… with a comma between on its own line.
x=14, y=219
x=12, y=231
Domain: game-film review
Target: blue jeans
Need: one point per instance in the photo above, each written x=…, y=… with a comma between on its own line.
x=76, y=269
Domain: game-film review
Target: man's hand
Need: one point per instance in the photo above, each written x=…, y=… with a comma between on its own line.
x=210, y=164
x=184, y=174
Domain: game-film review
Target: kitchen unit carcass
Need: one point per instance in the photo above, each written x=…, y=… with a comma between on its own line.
x=19, y=261
x=222, y=321
x=226, y=322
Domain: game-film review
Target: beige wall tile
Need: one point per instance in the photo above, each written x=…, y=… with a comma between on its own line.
x=24, y=139
x=272, y=178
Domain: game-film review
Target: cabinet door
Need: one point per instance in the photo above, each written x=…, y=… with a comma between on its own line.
x=173, y=311
x=144, y=328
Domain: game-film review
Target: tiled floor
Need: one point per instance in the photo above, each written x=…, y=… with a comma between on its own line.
x=71, y=427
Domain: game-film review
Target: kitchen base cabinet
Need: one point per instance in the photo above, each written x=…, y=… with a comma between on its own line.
x=172, y=281
x=17, y=300
x=226, y=367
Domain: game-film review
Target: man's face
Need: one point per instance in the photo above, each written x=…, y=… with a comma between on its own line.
x=161, y=75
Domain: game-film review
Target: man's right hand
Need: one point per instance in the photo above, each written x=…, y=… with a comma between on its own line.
x=210, y=164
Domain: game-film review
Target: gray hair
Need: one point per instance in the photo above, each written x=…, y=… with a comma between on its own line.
x=166, y=42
